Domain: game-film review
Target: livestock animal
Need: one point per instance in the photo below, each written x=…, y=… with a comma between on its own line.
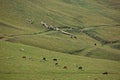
x=80, y=67
x=65, y=67
x=24, y=57
x=54, y=59
x=51, y=27
x=44, y=59
x=56, y=63
x=105, y=73
x=95, y=44
x=75, y=37
x=72, y=36
x=57, y=29
x=44, y=24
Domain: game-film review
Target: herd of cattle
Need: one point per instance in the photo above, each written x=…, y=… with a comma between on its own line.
x=56, y=63
x=58, y=29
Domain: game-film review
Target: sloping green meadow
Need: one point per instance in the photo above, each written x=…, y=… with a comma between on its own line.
x=14, y=67
x=96, y=25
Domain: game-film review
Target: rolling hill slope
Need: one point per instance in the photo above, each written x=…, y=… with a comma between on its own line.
x=14, y=67
x=91, y=21
x=95, y=23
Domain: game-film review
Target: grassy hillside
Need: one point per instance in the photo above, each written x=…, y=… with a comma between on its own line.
x=91, y=21
x=14, y=67
x=95, y=23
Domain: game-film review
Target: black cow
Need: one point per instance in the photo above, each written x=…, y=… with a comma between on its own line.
x=95, y=44
x=56, y=63
x=54, y=59
x=44, y=59
x=80, y=67
x=75, y=37
x=105, y=73
x=24, y=57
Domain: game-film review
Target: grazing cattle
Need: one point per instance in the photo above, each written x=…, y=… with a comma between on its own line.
x=57, y=29
x=75, y=37
x=56, y=63
x=54, y=59
x=65, y=67
x=51, y=27
x=44, y=24
x=95, y=44
x=105, y=73
x=24, y=57
x=80, y=67
x=44, y=59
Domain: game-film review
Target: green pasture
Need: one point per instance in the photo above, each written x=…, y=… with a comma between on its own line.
x=95, y=23
x=13, y=66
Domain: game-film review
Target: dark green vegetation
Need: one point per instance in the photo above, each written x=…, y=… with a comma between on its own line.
x=96, y=23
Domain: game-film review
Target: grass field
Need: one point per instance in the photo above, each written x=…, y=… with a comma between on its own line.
x=14, y=67
x=96, y=24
